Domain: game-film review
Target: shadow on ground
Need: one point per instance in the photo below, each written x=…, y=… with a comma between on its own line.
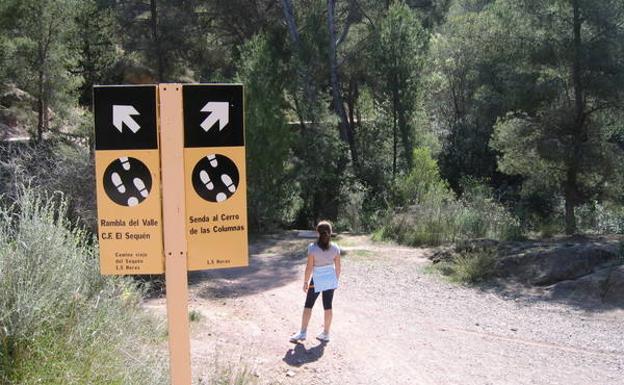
x=299, y=355
x=274, y=261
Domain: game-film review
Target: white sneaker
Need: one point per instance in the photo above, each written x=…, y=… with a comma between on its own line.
x=323, y=337
x=298, y=337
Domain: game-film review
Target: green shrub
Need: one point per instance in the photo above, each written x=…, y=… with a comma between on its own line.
x=195, y=316
x=352, y=215
x=424, y=183
x=469, y=267
x=232, y=372
x=61, y=322
x=601, y=218
x=473, y=267
x=428, y=213
x=52, y=166
x=439, y=218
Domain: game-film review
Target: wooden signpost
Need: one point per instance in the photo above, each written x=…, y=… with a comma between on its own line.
x=171, y=189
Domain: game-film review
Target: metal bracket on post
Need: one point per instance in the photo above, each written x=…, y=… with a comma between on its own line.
x=172, y=164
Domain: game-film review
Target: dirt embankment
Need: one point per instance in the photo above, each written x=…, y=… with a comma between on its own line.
x=395, y=322
x=580, y=270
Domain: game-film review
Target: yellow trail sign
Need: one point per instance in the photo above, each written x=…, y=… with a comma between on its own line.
x=127, y=164
x=215, y=176
x=202, y=200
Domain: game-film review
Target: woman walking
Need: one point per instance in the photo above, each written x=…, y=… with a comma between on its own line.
x=323, y=267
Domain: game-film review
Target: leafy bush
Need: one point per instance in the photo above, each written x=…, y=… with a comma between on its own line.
x=483, y=216
x=320, y=167
x=434, y=216
x=52, y=166
x=434, y=224
x=61, y=322
x=601, y=218
x=424, y=183
x=352, y=215
x=469, y=267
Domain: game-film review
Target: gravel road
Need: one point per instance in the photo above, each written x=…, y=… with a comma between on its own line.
x=395, y=322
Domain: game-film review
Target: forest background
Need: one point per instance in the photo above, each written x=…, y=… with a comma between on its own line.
x=472, y=118
x=423, y=121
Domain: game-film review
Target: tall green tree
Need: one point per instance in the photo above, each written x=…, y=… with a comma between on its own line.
x=268, y=137
x=305, y=64
x=163, y=34
x=320, y=157
x=475, y=75
x=7, y=46
x=42, y=32
x=576, y=53
x=397, y=55
x=98, y=45
x=433, y=12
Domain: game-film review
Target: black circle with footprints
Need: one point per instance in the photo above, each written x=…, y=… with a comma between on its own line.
x=215, y=178
x=127, y=181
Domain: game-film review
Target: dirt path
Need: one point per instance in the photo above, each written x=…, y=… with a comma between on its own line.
x=394, y=323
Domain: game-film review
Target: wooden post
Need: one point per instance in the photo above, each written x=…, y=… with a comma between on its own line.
x=172, y=163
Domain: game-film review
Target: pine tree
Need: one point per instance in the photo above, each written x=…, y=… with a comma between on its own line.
x=576, y=56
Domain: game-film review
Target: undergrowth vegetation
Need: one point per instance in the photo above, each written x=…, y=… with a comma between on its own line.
x=430, y=214
x=469, y=266
x=61, y=322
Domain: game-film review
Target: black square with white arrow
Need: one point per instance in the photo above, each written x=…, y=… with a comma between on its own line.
x=213, y=115
x=125, y=117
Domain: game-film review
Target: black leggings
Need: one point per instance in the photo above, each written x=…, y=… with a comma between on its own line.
x=328, y=296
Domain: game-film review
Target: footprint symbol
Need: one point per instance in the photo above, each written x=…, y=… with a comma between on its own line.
x=227, y=181
x=125, y=163
x=116, y=179
x=213, y=160
x=203, y=175
x=138, y=183
x=133, y=201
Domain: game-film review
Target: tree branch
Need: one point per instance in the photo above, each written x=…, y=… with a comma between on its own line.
x=345, y=31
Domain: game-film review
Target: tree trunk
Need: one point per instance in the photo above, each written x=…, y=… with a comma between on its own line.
x=395, y=108
x=46, y=111
x=571, y=188
x=302, y=72
x=576, y=67
x=570, y=218
x=40, y=106
x=405, y=135
x=42, y=52
x=289, y=15
x=394, y=136
x=333, y=68
x=351, y=101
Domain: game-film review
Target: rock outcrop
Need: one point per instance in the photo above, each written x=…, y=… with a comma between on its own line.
x=547, y=264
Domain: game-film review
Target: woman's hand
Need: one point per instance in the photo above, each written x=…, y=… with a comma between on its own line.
x=305, y=287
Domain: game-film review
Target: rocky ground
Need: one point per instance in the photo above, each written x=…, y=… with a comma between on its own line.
x=395, y=322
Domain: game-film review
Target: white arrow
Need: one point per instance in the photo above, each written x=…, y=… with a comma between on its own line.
x=122, y=114
x=219, y=112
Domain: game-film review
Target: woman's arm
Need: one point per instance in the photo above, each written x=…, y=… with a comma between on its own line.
x=337, y=265
x=308, y=272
